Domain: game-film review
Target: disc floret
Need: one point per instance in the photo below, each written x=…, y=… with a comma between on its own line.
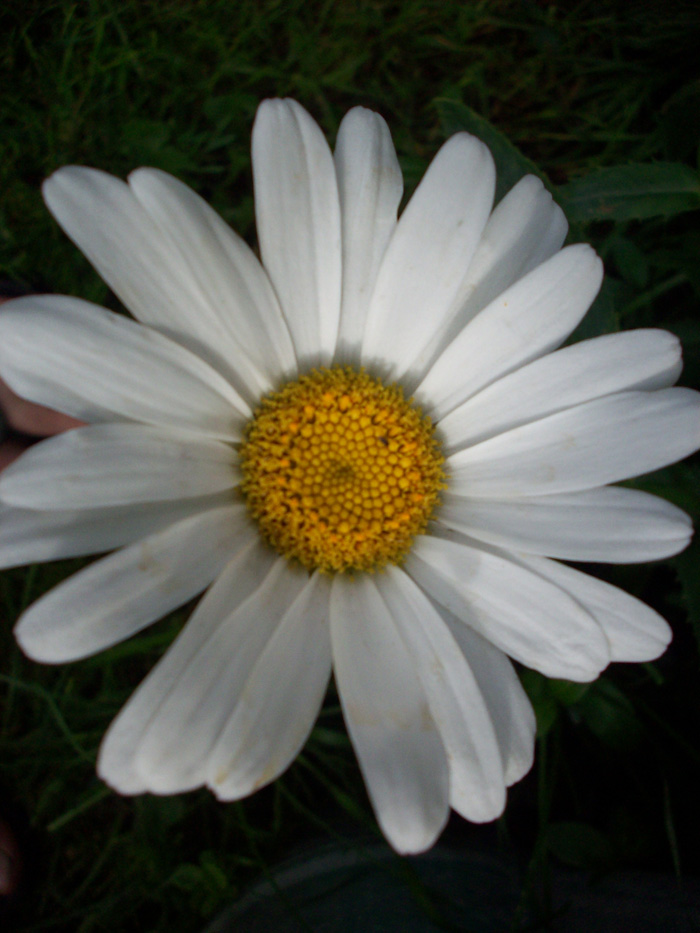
x=340, y=471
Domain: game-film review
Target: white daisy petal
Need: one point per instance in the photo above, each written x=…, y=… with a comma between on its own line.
x=172, y=721
x=142, y=264
x=599, y=442
x=370, y=186
x=637, y=359
x=508, y=705
x=524, y=615
x=525, y=229
x=95, y=365
x=116, y=464
x=281, y=699
x=120, y=595
x=31, y=537
x=529, y=319
x=477, y=786
x=426, y=258
x=176, y=749
x=232, y=283
x=607, y=525
x=634, y=630
x=298, y=218
x=399, y=749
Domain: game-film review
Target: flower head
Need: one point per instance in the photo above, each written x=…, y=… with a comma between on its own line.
x=365, y=447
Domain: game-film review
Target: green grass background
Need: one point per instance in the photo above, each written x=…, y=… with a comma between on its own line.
x=588, y=92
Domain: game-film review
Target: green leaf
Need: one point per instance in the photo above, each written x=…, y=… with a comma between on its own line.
x=566, y=692
x=631, y=262
x=511, y=164
x=580, y=845
x=632, y=192
x=609, y=715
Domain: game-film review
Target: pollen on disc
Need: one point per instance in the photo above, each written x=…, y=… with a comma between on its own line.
x=340, y=471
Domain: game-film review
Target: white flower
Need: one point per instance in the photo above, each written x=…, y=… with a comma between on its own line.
x=459, y=304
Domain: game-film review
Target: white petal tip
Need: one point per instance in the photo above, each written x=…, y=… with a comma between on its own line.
x=40, y=647
x=65, y=178
x=146, y=175
x=411, y=840
x=279, y=107
x=126, y=779
x=363, y=115
x=116, y=772
x=55, y=178
x=583, y=663
x=516, y=770
x=488, y=807
x=681, y=541
x=649, y=646
x=226, y=793
x=533, y=187
x=585, y=256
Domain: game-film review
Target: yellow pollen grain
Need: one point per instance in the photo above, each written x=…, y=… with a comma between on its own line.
x=340, y=471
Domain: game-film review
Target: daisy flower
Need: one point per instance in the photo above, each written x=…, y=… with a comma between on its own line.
x=365, y=447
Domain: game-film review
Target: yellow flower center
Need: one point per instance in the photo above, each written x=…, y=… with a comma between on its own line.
x=340, y=471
